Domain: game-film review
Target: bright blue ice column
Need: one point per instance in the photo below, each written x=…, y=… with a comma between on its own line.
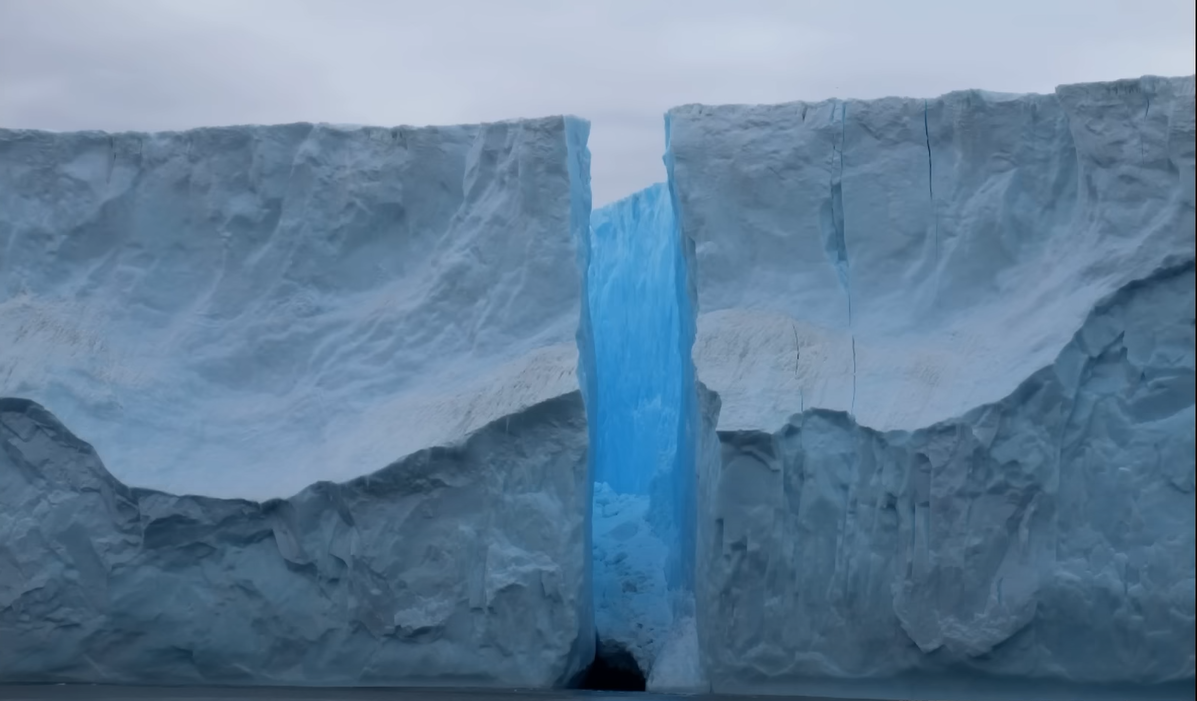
x=643, y=334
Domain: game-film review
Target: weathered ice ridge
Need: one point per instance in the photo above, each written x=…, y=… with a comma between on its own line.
x=457, y=565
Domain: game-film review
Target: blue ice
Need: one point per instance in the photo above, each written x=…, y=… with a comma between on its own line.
x=642, y=327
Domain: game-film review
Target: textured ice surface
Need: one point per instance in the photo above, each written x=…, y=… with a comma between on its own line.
x=908, y=260
x=927, y=474
x=642, y=326
x=950, y=343
x=634, y=312
x=457, y=565
x=631, y=597
x=1049, y=535
x=242, y=311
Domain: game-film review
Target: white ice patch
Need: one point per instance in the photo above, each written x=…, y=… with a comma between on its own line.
x=678, y=667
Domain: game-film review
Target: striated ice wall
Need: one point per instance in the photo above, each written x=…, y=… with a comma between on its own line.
x=460, y=565
x=1048, y=536
x=376, y=324
x=209, y=306
x=908, y=260
x=952, y=346
x=936, y=439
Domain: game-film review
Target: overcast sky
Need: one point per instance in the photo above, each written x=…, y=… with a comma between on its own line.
x=171, y=64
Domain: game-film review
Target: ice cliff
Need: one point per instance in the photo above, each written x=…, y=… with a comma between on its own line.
x=235, y=314
x=952, y=341
x=1043, y=538
x=459, y=565
x=889, y=397
x=209, y=306
x=909, y=260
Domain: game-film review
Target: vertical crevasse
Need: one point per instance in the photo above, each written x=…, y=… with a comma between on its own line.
x=642, y=322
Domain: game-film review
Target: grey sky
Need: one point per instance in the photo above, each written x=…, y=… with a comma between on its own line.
x=170, y=64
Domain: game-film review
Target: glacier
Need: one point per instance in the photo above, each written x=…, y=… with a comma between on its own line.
x=199, y=303
x=456, y=565
x=878, y=397
x=332, y=370
x=951, y=347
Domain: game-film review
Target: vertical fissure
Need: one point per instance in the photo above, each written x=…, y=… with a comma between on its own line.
x=642, y=524
x=931, y=182
x=835, y=236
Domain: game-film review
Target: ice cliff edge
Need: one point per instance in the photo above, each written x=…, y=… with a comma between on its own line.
x=237, y=313
x=949, y=439
x=908, y=260
x=952, y=344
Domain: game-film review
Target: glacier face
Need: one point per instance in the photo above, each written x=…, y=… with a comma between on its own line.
x=239, y=313
x=458, y=565
x=925, y=476
x=206, y=306
x=1049, y=535
x=942, y=441
x=908, y=260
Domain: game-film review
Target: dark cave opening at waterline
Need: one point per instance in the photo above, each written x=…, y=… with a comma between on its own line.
x=613, y=669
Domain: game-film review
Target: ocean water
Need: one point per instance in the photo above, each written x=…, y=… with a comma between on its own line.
x=90, y=692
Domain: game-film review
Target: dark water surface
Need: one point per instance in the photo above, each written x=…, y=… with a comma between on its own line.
x=81, y=692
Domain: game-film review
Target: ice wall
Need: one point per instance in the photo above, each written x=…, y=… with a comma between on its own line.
x=643, y=472
x=929, y=481
x=1043, y=538
x=460, y=565
x=238, y=312
x=908, y=260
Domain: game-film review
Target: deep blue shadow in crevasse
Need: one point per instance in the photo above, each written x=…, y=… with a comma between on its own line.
x=641, y=406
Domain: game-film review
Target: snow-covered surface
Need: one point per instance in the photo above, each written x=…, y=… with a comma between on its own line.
x=926, y=472
x=459, y=565
x=242, y=311
x=908, y=260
